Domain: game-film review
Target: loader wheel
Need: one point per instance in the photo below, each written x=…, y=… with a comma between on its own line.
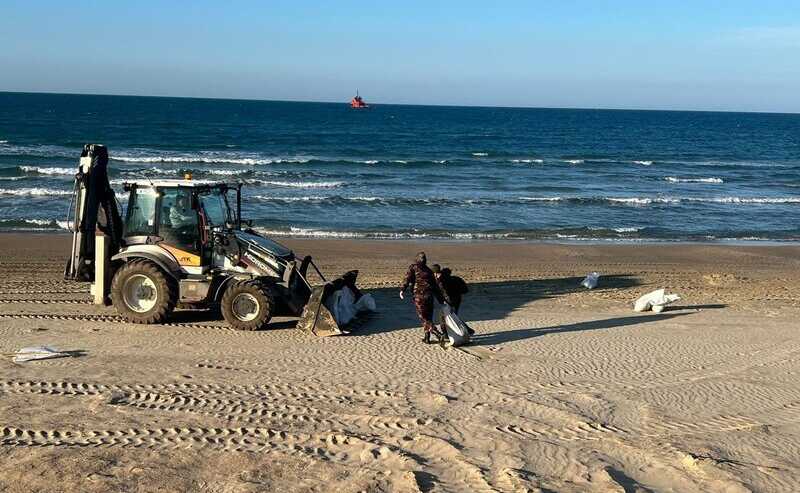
x=142, y=293
x=247, y=305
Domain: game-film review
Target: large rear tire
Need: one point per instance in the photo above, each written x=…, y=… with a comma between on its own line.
x=142, y=293
x=247, y=305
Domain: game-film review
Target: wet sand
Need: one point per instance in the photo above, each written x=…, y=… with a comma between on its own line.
x=563, y=389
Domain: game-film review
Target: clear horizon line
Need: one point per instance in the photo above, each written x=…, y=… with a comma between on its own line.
x=597, y=108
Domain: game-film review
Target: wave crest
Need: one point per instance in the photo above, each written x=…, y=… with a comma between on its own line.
x=39, y=170
x=34, y=192
x=673, y=179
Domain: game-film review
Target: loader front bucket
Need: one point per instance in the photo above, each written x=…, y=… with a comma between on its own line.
x=316, y=318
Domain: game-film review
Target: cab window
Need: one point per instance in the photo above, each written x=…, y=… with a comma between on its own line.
x=141, y=219
x=215, y=207
x=178, y=223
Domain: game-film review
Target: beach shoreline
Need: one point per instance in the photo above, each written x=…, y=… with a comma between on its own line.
x=562, y=389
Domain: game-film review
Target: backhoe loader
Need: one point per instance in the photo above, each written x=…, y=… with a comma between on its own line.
x=184, y=242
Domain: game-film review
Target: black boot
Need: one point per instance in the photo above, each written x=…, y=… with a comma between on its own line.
x=441, y=337
x=426, y=338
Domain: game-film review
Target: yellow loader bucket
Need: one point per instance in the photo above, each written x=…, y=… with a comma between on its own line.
x=316, y=318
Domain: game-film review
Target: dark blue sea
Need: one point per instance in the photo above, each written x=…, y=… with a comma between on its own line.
x=321, y=169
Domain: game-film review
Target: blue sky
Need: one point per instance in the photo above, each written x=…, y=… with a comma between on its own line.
x=720, y=55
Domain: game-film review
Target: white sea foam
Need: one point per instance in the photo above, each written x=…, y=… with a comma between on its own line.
x=387, y=235
x=643, y=200
x=48, y=171
x=225, y=172
x=673, y=179
x=268, y=198
x=528, y=161
x=35, y=224
x=205, y=158
x=574, y=161
x=12, y=178
x=39, y=222
x=480, y=154
x=300, y=184
x=627, y=230
x=718, y=200
x=312, y=233
x=643, y=163
x=542, y=199
x=632, y=201
x=371, y=161
x=749, y=200
x=33, y=191
x=3, y=142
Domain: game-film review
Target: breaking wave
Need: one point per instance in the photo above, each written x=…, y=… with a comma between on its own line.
x=205, y=158
x=300, y=184
x=38, y=170
x=33, y=224
x=631, y=201
x=33, y=192
x=527, y=161
x=389, y=235
x=673, y=179
x=643, y=163
x=227, y=172
x=573, y=161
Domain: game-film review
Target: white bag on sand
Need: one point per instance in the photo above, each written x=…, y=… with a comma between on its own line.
x=457, y=331
x=366, y=304
x=591, y=280
x=342, y=306
x=37, y=353
x=655, y=300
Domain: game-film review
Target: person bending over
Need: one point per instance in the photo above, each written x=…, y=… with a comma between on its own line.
x=453, y=286
x=425, y=287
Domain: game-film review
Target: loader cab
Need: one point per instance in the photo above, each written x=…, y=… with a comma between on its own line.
x=181, y=216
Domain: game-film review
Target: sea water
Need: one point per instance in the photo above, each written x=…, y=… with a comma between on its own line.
x=325, y=170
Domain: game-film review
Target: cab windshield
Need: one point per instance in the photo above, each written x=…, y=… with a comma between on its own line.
x=214, y=203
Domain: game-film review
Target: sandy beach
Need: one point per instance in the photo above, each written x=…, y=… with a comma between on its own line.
x=562, y=389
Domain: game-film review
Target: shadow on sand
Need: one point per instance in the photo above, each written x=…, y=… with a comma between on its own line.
x=485, y=301
x=495, y=338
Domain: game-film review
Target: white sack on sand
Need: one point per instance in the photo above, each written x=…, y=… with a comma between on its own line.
x=655, y=300
x=591, y=280
x=37, y=353
x=342, y=305
x=366, y=304
x=457, y=331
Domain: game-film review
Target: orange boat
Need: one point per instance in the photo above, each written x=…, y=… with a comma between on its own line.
x=358, y=102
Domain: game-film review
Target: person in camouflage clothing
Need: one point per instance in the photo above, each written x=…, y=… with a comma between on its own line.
x=425, y=288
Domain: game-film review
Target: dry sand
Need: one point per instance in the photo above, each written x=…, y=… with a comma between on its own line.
x=563, y=389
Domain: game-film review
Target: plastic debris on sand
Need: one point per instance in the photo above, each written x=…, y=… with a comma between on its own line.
x=37, y=353
x=655, y=300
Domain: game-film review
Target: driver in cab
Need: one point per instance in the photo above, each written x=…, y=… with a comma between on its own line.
x=181, y=215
